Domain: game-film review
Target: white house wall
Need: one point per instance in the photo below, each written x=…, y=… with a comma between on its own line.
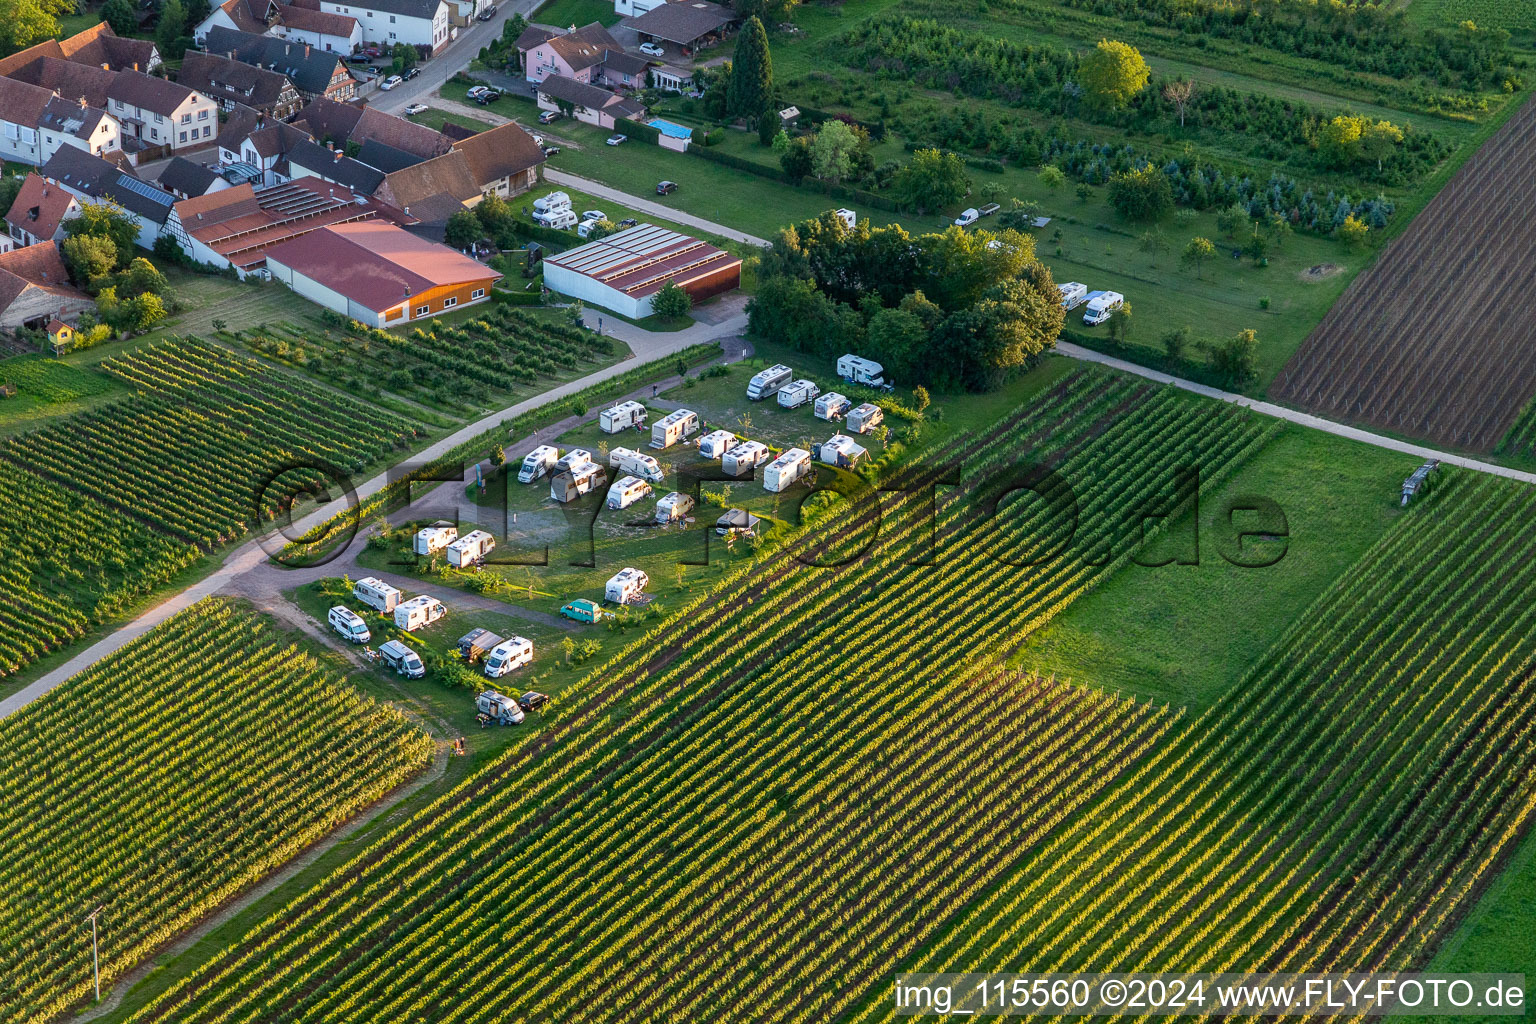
x=580, y=286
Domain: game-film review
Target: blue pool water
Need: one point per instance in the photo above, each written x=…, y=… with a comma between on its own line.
x=675, y=131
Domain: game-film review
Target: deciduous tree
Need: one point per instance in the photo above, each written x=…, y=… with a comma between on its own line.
x=1179, y=94
x=930, y=181
x=118, y=14
x=1141, y=195
x=671, y=302
x=1112, y=74
x=462, y=229
x=1197, y=252
x=833, y=150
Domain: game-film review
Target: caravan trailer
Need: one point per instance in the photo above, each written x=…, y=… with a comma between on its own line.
x=676, y=426
x=626, y=491
x=376, y=594
x=419, y=611
x=430, y=540
x=744, y=458
x=470, y=548
x=673, y=507
x=716, y=443
x=767, y=382
x=858, y=370
x=625, y=585
x=832, y=406
x=797, y=392
x=1073, y=294
x=1100, y=306
x=786, y=469
x=537, y=463
x=624, y=416
x=635, y=464
x=584, y=480
x=865, y=418
x=842, y=451
x=508, y=655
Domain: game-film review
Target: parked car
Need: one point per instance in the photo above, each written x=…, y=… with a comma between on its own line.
x=390, y=82
x=489, y=96
x=374, y=69
x=594, y=215
x=653, y=50
x=372, y=51
x=989, y=209
x=617, y=140
x=412, y=73
x=476, y=92
x=533, y=700
x=359, y=58
x=487, y=14
x=628, y=222
x=967, y=217
x=415, y=108
x=550, y=150
x=666, y=188
x=549, y=117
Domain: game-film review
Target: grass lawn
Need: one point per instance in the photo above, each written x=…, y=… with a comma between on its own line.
x=574, y=12
x=50, y=387
x=1186, y=634
x=435, y=119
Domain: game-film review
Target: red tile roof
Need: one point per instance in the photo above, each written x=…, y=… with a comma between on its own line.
x=639, y=261
x=40, y=206
x=323, y=22
x=38, y=266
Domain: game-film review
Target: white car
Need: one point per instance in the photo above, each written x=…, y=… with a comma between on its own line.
x=415, y=108
x=476, y=92
x=391, y=82
x=967, y=218
x=615, y=140
x=594, y=215
x=652, y=50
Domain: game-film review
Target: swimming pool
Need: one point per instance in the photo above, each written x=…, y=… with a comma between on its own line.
x=667, y=128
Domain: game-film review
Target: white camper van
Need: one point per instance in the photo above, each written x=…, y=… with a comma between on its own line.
x=832, y=406
x=797, y=392
x=349, y=624
x=627, y=490
x=508, y=655
x=624, y=416
x=377, y=594
x=848, y=217
x=767, y=382
x=560, y=220
x=402, y=659
x=498, y=708
x=583, y=480
x=744, y=458
x=716, y=443
x=537, y=463
x=1100, y=306
x=635, y=463
x=470, y=548
x=676, y=426
x=625, y=585
x=673, y=507
x=573, y=459
x=842, y=451
x=419, y=611
x=1073, y=293
x=858, y=370
x=430, y=540
x=553, y=201
x=865, y=418
x=786, y=469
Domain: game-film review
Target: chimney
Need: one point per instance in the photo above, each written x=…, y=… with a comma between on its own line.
x=106, y=67
x=339, y=156
x=306, y=51
x=82, y=103
x=135, y=65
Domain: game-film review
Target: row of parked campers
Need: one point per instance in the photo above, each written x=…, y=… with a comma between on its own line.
x=460, y=551
x=792, y=393
x=1101, y=305
x=395, y=654
x=409, y=615
x=491, y=706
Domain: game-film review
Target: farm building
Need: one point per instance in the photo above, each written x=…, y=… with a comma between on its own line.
x=35, y=288
x=378, y=273
x=623, y=271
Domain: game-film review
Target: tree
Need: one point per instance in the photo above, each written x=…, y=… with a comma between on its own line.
x=495, y=216
x=1020, y=216
x=671, y=302
x=898, y=338
x=1176, y=342
x=89, y=258
x=171, y=30
x=1112, y=74
x=141, y=312
x=142, y=278
x=1120, y=322
x=197, y=10
x=1052, y=177
x=1231, y=219
x=498, y=455
x=1380, y=141
x=1279, y=227
x=513, y=27
x=921, y=399
x=930, y=181
x=25, y=22
x=1179, y=94
x=796, y=159
x=1348, y=138
x=1236, y=362
x=107, y=220
x=462, y=229
x=600, y=229
x=404, y=58
x=10, y=187
x=1141, y=195
x=1197, y=252
x=768, y=130
x=751, y=72
x=1353, y=232
x=118, y=14
x=832, y=151
x=1256, y=248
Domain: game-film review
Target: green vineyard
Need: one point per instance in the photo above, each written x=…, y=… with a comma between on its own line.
x=163, y=780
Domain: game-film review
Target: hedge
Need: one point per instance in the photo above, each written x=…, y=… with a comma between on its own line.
x=636, y=130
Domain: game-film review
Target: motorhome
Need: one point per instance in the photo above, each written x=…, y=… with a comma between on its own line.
x=569, y=486
x=848, y=217
x=1073, y=294
x=767, y=382
x=865, y=418
x=797, y=392
x=627, y=490
x=624, y=416
x=625, y=585
x=716, y=443
x=737, y=521
x=476, y=644
x=553, y=201
x=676, y=426
x=537, y=463
x=560, y=220
x=783, y=471
x=842, y=451
x=511, y=653
x=419, y=611
x=673, y=507
x=499, y=708
x=376, y=594
x=1101, y=305
x=470, y=548
x=429, y=540
x=635, y=463
x=832, y=406
x=744, y=458
x=402, y=659
x=573, y=459
x=858, y=370
x=349, y=624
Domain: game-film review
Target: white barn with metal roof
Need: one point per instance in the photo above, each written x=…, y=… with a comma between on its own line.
x=623, y=271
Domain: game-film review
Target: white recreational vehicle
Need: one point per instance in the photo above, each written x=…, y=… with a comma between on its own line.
x=624, y=416
x=537, y=463
x=470, y=548
x=625, y=585
x=627, y=490
x=1100, y=306
x=832, y=406
x=797, y=392
x=349, y=624
x=858, y=370
x=744, y=458
x=553, y=201
x=767, y=382
x=560, y=220
x=508, y=655
x=848, y=217
x=402, y=659
x=676, y=426
x=865, y=418
x=419, y=611
x=673, y=507
x=635, y=463
x=842, y=451
x=429, y=540
x=573, y=459
x=716, y=443
x=1073, y=293
x=499, y=708
x=377, y=594
x=583, y=480
x=786, y=469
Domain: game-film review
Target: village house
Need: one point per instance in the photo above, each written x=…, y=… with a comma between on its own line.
x=314, y=72
x=162, y=113
x=231, y=81
x=39, y=212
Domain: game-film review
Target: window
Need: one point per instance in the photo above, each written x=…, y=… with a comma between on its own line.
x=207, y=130
x=159, y=119
x=391, y=35
x=202, y=115
x=450, y=302
x=186, y=118
x=391, y=19
x=183, y=136
x=154, y=133
x=423, y=310
x=478, y=293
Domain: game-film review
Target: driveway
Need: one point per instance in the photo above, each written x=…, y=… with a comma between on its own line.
x=649, y=206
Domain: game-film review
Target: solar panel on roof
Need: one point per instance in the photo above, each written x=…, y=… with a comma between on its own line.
x=146, y=190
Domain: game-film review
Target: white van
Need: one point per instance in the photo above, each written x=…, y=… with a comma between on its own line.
x=1073, y=293
x=744, y=458
x=349, y=624
x=470, y=548
x=716, y=443
x=767, y=382
x=402, y=659
x=419, y=611
x=627, y=490
x=553, y=201
x=673, y=507
x=783, y=471
x=865, y=418
x=537, y=463
x=560, y=220
x=508, y=655
x=376, y=594
x=430, y=540
x=676, y=426
x=858, y=370
x=573, y=460
x=627, y=460
x=832, y=406
x=499, y=708
x=797, y=392
x=624, y=416
x=1100, y=306
x=967, y=217
x=625, y=585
